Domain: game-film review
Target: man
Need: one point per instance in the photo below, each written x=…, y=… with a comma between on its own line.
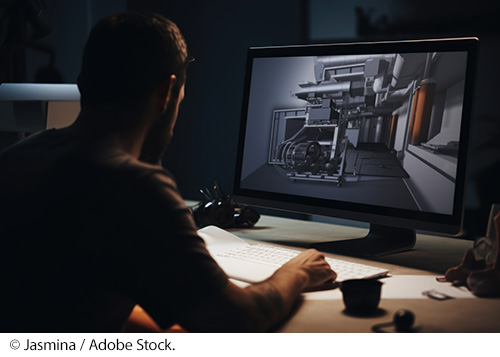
x=92, y=224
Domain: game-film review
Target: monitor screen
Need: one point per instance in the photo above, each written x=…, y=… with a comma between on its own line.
x=376, y=132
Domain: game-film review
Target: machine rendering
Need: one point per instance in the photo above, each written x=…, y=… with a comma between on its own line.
x=348, y=127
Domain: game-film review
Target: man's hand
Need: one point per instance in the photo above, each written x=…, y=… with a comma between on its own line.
x=460, y=273
x=313, y=265
x=261, y=306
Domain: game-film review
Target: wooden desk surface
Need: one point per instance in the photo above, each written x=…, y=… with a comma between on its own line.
x=432, y=255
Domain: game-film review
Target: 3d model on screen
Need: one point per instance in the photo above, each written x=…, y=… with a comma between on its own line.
x=377, y=129
x=364, y=113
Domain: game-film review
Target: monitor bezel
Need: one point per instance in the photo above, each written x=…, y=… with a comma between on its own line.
x=428, y=221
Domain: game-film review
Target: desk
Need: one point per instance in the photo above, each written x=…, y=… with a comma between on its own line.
x=432, y=255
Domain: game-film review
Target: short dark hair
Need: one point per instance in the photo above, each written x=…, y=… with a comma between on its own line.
x=127, y=55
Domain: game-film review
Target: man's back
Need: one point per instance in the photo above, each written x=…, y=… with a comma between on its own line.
x=82, y=223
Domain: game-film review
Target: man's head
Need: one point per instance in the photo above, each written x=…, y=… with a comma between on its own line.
x=127, y=56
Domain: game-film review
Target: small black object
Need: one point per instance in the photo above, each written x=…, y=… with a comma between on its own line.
x=403, y=320
x=220, y=210
x=361, y=296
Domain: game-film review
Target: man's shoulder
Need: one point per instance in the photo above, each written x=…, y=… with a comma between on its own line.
x=133, y=182
x=125, y=168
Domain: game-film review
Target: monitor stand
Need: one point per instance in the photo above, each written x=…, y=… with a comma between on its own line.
x=381, y=240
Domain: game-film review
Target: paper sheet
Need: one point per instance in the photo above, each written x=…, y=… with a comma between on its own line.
x=402, y=287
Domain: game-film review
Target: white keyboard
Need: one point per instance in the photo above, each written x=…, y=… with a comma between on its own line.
x=277, y=256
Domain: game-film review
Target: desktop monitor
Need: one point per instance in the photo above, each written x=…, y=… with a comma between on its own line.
x=375, y=132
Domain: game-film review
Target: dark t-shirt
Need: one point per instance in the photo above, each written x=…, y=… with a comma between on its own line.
x=87, y=231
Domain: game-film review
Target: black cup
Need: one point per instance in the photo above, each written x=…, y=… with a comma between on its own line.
x=361, y=296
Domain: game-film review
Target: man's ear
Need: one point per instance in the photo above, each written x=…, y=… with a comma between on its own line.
x=166, y=91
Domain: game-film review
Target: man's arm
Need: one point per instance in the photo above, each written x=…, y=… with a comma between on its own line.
x=261, y=306
x=178, y=281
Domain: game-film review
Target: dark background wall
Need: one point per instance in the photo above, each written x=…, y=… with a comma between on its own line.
x=47, y=47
